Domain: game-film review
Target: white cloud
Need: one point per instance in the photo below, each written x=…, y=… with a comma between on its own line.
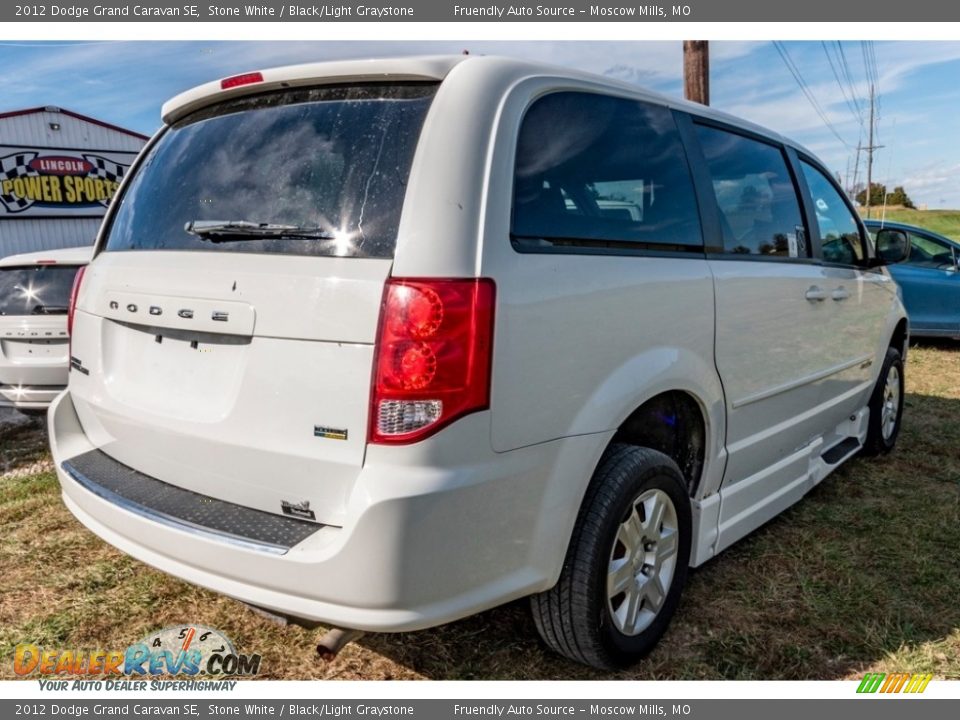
x=933, y=177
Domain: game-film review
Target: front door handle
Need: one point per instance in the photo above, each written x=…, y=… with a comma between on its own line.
x=840, y=294
x=815, y=294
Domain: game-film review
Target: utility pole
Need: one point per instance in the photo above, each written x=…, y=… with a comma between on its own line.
x=870, y=148
x=856, y=169
x=696, y=71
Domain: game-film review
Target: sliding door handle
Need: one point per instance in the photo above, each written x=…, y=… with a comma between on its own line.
x=815, y=294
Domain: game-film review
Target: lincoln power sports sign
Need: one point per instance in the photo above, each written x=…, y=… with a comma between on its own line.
x=55, y=182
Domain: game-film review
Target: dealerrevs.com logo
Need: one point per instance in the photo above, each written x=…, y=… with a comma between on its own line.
x=909, y=683
x=178, y=650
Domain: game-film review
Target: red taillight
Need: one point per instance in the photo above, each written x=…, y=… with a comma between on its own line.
x=432, y=360
x=244, y=79
x=74, y=291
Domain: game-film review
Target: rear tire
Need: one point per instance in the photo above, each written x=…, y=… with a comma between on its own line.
x=626, y=564
x=886, y=406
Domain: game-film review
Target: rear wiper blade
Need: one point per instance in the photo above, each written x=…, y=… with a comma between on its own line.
x=49, y=310
x=240, y=230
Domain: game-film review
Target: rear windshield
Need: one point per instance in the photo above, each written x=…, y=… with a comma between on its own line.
x=36, y=289
x=332, y=159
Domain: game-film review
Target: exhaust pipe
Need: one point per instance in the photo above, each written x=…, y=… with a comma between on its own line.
x=330, y=645
x=334, y=641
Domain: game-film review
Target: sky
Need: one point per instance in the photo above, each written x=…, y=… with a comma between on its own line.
x=125, y=83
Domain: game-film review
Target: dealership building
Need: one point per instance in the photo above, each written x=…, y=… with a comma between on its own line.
x=58, y=172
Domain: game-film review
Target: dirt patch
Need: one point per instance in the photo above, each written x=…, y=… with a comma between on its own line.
x=23, y=445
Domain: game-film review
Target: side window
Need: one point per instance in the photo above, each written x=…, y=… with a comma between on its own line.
x=929, y=252
x=839, y=233
x=756, y=195
x=592, y=169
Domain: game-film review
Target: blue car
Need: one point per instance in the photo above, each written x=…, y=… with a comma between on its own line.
x=929, y=278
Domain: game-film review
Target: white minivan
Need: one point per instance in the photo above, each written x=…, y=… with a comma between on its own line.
x=382, y=344
x=34, y=295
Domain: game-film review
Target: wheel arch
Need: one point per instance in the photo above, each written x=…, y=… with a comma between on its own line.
x=645, y=379
x=673, y=422
x=901, y=337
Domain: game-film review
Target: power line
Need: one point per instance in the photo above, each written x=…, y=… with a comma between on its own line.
x=845, y=67
x=871, y=70
x=876, y=76
x=870, y=63
x=865, y=54
x=857, y=115
x=795, y=71
x=893, y=134
x=871, y=147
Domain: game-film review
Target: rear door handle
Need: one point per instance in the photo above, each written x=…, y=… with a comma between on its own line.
x=816, y=294
x=840, y=294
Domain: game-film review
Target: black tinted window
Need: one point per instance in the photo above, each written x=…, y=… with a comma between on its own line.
x=839, y=233
x=36, y=289
x=337, y=158
x=759, y=210
x=601, y=169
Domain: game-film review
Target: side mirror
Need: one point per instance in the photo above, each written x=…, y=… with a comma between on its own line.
x=893, y=246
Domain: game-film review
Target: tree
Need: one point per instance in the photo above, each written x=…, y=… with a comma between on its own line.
x=899, y=197
x=877, y=193
x=880, y=196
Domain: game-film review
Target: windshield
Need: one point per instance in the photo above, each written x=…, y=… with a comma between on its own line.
x=333, y=160
x=36, y=289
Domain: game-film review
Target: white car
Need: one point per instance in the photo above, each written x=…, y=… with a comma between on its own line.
x=34, y=298
x=361, y=345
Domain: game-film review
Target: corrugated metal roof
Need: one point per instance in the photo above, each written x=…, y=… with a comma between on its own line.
x=33, y=128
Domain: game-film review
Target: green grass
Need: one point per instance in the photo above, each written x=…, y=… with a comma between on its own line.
x=945, y=222
x=861, y=576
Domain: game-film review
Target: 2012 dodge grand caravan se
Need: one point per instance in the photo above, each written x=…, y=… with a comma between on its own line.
x=34, y=294
x=383, y=344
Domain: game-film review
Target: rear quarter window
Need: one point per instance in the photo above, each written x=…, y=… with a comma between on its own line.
x=599, y=171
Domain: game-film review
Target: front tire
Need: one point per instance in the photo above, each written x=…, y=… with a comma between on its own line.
x=886, y=406
x=626, y=564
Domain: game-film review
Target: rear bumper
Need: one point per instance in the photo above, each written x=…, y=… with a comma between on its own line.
x=421, y=544
x=31, y=383
x=28, y=397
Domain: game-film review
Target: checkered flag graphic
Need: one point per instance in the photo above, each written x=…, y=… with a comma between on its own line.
x=105, y=169
x=12, y=167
